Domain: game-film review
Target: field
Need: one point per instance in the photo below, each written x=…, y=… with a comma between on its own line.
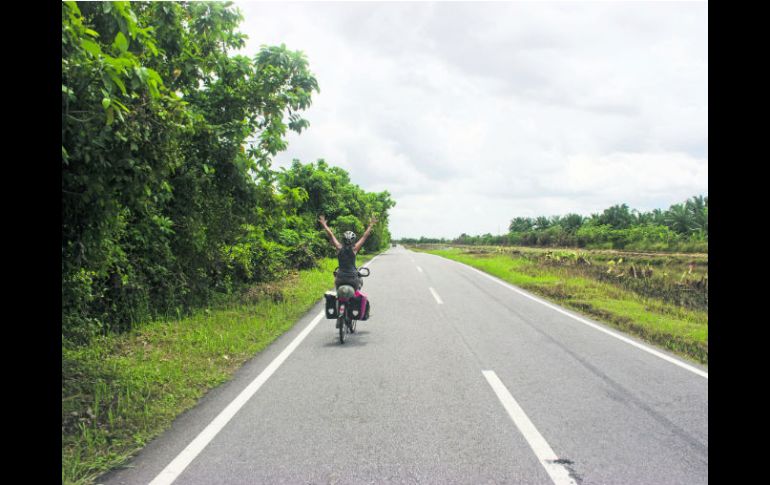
x=659, y=297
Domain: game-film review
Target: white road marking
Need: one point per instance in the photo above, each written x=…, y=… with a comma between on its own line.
x=435, y=295
x=183, y=460
x=558, y=473
x=178, y=465
x=627, y=340
x=419, y=269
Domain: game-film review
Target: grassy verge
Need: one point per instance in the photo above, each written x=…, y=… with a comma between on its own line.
x=682, y=329
x=120, y=391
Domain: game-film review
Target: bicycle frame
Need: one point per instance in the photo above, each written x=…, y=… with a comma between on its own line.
x=346, y=321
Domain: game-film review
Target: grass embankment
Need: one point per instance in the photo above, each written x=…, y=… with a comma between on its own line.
x=661, y=298
x=120, y=391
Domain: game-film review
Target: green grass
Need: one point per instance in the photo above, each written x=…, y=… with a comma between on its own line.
x=121, y=391
x=676, y=328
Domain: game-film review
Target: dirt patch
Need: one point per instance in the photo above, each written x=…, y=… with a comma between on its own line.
x=272, y=291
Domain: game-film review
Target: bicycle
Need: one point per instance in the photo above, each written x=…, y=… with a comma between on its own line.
x=345, y=306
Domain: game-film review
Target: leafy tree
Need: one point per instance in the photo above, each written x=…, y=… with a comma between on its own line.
x=167, y=140
x=681, y=227
x=679, y=218
x=542, y=222
x=617, y=216
x=698, y=208
x=328, y=190
x=572, y=222
x=521, y=224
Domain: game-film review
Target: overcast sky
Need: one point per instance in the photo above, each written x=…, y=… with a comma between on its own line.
x=471, y=114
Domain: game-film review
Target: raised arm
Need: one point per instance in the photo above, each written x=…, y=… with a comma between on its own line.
x=359, y=244
x=329, y=233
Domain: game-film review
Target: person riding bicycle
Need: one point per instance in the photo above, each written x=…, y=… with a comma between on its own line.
x=346, y=254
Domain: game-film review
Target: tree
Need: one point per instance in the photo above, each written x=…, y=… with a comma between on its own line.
x=328, y=190
x=572, y=222
x=679, y=218
x=542, y=222
x=164, y=197
x=521, y=224
x=617, y=216
x=698, y=209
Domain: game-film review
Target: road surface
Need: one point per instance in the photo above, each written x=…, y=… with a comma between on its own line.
x=456, y=378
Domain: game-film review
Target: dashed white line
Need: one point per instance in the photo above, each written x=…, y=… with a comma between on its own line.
x=627, y=340
x=435, y=295
x=558, y=473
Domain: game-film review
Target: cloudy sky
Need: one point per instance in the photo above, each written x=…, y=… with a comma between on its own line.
x=473, y=113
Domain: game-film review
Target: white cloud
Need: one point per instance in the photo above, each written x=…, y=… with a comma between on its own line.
x=472, y=113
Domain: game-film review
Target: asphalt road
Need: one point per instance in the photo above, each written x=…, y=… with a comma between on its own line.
x=455, y=378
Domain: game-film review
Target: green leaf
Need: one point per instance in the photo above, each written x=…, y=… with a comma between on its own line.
x=105, y=103
x=73, y=6
x=153, y=74
x=141, y=73
x=91, y=47
x=121, y=42
x=92, y=33
x=110, y=115
x=151, y=45
x=115, y=79
x=119, y=105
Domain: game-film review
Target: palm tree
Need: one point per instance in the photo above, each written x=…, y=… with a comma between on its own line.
x=542, y=222
x=521, y=224
x=572, y=222
x=617, y=216
x=680, y=219
x=658, y=216
x=698, y=208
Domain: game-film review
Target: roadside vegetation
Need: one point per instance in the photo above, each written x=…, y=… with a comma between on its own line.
x=183, y=252
x=681, y=228
x=661, y=298
x=168, y=196
x=121, y=390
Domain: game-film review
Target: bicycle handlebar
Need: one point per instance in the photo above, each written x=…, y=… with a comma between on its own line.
x=362, y=275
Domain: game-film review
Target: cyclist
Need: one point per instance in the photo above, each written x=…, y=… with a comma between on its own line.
x=346, y=254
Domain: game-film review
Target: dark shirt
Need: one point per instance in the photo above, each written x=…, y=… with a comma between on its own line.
x=347, y=262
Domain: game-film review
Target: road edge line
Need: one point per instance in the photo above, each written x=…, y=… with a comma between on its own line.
x=593, y=325
x=175, y=468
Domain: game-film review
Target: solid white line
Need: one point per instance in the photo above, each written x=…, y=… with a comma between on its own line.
x=558, y=473
x=183, y=460
x=435, y=295
x=177, y=466
x=419, y=269
x=627, y=340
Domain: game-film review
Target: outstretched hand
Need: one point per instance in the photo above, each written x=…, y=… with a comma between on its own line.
x=372, y=221
x=322, y=219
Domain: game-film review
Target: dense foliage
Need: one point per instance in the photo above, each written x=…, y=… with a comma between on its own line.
x=683, y=227
x=168, y=195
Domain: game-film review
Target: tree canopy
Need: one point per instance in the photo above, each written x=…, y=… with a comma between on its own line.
x=682, y=227
x=168, y=194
